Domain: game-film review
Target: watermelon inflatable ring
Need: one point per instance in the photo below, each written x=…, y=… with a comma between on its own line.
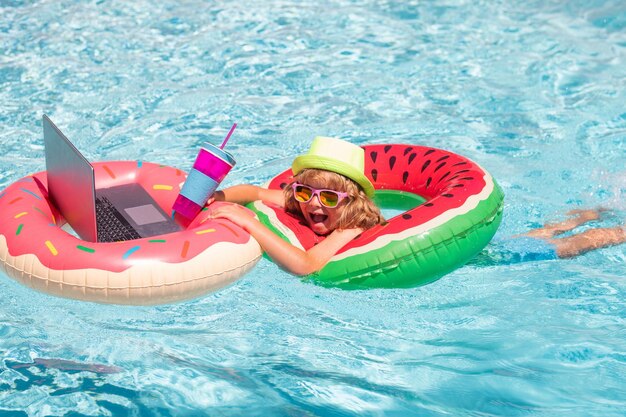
x=450, y=208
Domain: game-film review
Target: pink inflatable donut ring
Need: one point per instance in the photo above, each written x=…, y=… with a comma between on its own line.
x=38, y=252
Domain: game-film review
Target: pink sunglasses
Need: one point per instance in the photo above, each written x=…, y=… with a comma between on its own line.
x=328, y=198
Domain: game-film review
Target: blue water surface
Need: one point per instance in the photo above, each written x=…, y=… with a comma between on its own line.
x=534, y=91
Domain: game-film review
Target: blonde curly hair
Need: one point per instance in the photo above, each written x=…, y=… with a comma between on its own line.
x=360, y=211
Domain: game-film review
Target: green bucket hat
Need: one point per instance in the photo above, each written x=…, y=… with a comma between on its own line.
x=336, y=155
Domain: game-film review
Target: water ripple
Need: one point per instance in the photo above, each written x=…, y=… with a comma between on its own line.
x=533, y=91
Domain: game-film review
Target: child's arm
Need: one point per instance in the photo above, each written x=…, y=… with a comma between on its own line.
x=244, y=194
x=287, y=256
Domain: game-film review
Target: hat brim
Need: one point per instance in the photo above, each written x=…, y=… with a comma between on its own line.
x=328, y=164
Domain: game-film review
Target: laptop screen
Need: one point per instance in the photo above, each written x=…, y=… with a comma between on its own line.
x=71, y=181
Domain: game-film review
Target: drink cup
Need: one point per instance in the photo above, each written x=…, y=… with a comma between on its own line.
x=210, y=168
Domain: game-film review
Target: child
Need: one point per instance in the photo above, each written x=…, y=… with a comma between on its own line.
x=329, y=191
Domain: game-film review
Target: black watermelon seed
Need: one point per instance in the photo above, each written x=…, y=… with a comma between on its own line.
x=428, y=152
x=412, y=157
x=405, y=176
x=428, y=181
x=373, y=155
x=443, y=158
x=387, y=148
x=428, y=204
x=466, y=178
x=392, y=162
x=454, y=177
x=447, y=195
x=407, y=150
x=459, y=164
x=439, y=166
x=425, y=165
x=406, y=216
x=283, y=185
x=462, y=171
x=444, y=176
x=374, y=174
x=458, y=185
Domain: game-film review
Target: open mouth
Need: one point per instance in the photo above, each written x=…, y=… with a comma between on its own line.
x=318, y=218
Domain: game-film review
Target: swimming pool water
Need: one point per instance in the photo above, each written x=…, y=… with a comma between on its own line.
x=533, y=91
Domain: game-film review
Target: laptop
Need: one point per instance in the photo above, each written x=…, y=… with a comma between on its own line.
x=118, y=213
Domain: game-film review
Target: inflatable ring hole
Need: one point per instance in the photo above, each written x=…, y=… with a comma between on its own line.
x=393, y=202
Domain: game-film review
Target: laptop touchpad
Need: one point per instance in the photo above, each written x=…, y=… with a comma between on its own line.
x=146, y=214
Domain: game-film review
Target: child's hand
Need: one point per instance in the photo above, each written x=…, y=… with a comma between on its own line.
x=237, y=214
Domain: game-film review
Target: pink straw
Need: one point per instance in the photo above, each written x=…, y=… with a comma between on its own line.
x=232, y=129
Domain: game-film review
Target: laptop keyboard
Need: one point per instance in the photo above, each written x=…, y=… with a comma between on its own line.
x=112, y=226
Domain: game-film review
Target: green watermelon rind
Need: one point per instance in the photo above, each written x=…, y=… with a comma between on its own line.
x=421, y=258
x=267, y=217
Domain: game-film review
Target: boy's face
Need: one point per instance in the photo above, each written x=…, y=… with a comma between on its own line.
x=322, y=220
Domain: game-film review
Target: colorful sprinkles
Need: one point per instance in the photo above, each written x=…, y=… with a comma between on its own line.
x=44, y=214
x=108, y=170
x=38, y=197
x=201, y=232
x=183, y=252
x=162, y=187
x=85, y=249
x=51, y=248
x=131, y=251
